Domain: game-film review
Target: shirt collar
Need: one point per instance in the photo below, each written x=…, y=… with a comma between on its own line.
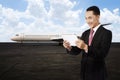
x=95, y=29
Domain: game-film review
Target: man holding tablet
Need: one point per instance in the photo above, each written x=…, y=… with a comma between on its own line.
x=94, y=45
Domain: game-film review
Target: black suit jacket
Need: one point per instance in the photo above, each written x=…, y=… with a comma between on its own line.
x=93, y=62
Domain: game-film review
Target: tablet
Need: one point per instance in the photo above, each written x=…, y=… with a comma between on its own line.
x=71, y=38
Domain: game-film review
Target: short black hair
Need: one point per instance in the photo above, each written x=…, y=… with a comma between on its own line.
x=95, y=10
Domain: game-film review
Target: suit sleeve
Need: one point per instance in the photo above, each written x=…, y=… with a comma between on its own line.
x=102, y=50
x=74, y=51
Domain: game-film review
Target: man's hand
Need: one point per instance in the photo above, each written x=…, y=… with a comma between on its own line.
x=66, y=44
x=82, y=45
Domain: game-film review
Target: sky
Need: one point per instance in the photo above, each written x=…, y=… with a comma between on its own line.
x=54, y=17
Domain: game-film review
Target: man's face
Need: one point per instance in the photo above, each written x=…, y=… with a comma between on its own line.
x=92, y=19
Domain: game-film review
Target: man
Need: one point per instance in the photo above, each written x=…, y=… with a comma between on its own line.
x=94, y=45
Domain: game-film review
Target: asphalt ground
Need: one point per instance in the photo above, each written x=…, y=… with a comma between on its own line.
x=20, y=61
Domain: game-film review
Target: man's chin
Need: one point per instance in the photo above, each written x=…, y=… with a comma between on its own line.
x=91, y=26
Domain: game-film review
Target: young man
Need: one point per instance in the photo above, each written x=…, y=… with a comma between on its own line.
x=93, y=45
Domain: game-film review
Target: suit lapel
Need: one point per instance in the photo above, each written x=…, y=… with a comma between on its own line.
x=96, y=35
x=86, y=38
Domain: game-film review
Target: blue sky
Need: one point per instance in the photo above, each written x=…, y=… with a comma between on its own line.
x=54, y=17
x=14, y=4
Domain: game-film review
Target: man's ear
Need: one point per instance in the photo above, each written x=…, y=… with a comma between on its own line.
x=98, y=16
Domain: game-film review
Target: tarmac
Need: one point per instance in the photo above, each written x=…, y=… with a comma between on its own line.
x=48, y=61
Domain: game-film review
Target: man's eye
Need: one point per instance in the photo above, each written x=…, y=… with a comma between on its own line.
x=90, y=17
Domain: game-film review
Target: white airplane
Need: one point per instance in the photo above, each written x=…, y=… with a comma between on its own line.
x=36, y=38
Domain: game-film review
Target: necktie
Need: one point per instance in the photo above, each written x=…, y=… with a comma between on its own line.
x=91, y=36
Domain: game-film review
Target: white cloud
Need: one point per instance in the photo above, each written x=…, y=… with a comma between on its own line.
x=116, y=11
x=60, y=18
x=108, y=16
x=62, y=11
x=36, y=8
